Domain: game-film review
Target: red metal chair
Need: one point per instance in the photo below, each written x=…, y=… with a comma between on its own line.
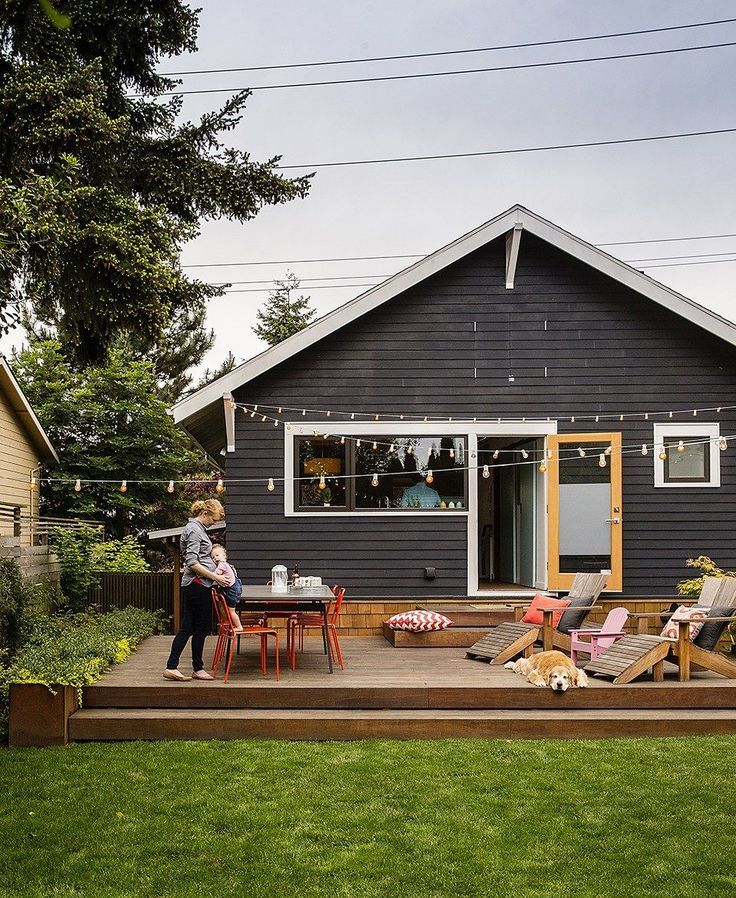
x=228, y=637
x=298, y=623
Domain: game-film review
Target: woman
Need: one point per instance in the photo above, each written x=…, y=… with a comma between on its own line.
x=196, y=589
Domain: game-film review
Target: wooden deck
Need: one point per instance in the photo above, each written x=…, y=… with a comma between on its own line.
x=384, y=693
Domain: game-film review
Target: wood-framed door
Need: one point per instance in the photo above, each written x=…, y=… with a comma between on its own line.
x=584, y=508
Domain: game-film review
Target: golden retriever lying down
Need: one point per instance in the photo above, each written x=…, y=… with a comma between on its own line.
x=551, y=669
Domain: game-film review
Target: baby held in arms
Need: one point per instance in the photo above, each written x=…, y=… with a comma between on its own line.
x=234, y=586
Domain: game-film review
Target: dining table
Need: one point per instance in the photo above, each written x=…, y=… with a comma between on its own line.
x=314, y=599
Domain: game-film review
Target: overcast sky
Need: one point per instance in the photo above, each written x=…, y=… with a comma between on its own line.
x=655, y=190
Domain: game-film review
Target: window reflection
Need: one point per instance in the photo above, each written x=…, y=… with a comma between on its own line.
x=321, y=468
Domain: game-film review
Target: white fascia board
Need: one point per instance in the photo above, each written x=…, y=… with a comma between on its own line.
x=425, y=268
x=229, y=411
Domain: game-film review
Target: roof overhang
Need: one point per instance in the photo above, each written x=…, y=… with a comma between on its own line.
x=207, y=407
x=175, y=532
x=20, y=405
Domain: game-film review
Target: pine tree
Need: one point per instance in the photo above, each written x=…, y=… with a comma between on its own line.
x=283, y=315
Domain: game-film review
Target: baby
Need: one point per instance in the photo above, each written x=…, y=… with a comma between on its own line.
x=233, y=587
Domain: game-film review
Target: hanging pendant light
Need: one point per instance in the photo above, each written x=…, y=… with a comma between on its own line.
x=78, y=486
x=220, y=488
x=430, y=476
x=270, y=487
x=486, y=471
x=124, y=487
x=170, y=487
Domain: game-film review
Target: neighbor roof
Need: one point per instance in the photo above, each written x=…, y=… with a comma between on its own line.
x=22, y=407
x=205, y=409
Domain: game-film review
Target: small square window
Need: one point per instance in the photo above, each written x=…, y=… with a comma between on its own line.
x=687, y=455
x=688, y=460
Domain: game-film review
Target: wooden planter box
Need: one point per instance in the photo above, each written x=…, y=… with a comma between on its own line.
x=39, y=717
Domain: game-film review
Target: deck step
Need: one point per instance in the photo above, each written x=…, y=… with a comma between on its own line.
x=119, y=724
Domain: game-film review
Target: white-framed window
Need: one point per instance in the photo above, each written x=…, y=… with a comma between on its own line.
x=686, y=455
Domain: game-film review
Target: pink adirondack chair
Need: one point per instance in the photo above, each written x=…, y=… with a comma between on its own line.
x=595, y=640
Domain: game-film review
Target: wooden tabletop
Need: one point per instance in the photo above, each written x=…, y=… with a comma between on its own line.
x=260, y=592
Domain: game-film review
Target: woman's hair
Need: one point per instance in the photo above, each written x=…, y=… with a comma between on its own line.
x=211, y=507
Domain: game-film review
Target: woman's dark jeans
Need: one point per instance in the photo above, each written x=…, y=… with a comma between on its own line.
x=196, y=621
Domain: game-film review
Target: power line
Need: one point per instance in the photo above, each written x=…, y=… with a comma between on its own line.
x=422, y=255
x=673, y=258
x=413, y=76
x=303, y=261
x=679, y=264
x=515, y=150
x=342, y=277
x=547, y=43
x=319, y=287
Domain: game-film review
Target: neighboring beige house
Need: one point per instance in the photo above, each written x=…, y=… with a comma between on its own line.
x=24, y=447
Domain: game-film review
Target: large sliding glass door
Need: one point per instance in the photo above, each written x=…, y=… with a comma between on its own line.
x=584, y=508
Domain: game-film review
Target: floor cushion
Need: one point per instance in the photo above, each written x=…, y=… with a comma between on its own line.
x=711, y=631
x=695, y=614
x=534, y=614
x=419, y=621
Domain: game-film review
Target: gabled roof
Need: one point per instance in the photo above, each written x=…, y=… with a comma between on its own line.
x=207, y=403
x=20, y=405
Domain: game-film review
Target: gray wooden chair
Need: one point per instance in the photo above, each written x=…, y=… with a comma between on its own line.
x=632, y=656
x=507, y=641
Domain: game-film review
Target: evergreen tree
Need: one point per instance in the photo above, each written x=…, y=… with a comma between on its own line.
x=101, y=182
x=283, y=315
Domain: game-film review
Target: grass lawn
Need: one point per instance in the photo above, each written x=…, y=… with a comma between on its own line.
x=452, y=818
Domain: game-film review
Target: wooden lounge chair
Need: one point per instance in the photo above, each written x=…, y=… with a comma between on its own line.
x=631, y=656
x=507, y=641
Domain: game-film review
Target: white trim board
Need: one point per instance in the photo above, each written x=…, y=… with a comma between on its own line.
x=514, y=218
x=704, y=430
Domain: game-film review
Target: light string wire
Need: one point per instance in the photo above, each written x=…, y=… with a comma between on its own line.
x=314, y=477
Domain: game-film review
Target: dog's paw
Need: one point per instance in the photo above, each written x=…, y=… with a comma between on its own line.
x=510, y=665
x=583, y=680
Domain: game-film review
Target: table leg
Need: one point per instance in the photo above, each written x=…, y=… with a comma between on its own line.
x=326, y=636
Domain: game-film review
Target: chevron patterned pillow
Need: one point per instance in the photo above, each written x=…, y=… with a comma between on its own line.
x=419, y=621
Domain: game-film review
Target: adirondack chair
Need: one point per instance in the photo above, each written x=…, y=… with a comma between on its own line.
x=593, y=641
x=632, y=656
x=508, y=641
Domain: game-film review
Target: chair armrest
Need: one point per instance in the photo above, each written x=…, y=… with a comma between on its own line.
x=586, y=630
x=596, y=636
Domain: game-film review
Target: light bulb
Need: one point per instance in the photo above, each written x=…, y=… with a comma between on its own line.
x=328, y=414
x=279, y=409
x=524, y=453
x=170, y=487
x=352, y=416
x=496, y=454
x=609, y=450
x=695, y=413
x=252, y=414
x=425, y=418
x=270, y=486
x=275, y=423
x=486, y=471
x=671, y=413
x=375, y=446
x=663, y=455
x=342, y=441
x=377, y=417
x=78, y=486
x=32, y=484
x=220, y=488
x=322, y=483
x=549, y=453
x=255, y=408
x=263, y=419
x=430, y=476
x=718, y=410
x=723, y=444
x=357, y=443
x=581, y=452
x=646, y=416
x=597, y=419
x=452, y=453
x=542, y=468
x=374, y=480
x=602, y=460
x=644, y=449
x=681, y=446
x=391, y=447
x=124, y=486
x=620, y=417
x=304, y=412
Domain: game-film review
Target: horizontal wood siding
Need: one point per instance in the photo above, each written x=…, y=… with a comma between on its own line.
x=606, y=349
x=18, y=457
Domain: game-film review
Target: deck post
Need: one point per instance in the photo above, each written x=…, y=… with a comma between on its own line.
x=176, y=584
x=547, y=631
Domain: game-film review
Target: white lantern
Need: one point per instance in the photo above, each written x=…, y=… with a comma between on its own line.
x=279, y=580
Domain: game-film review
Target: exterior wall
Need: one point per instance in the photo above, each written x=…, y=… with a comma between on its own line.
x=605, y=349
x=18, y=457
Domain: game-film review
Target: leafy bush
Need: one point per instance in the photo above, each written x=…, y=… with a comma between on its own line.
x=82, y=555
x=709, y=569
x=74, y=649
x=12, y=593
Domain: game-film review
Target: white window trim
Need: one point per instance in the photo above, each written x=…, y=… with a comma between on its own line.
x=704, y=430
x=460, y=429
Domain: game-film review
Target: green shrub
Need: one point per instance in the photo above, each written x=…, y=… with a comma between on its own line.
x=74, y=649
x=709, y=569
x=12, y=594
x=83, y=555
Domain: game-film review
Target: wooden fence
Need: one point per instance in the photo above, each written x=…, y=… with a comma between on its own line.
x=153, y=592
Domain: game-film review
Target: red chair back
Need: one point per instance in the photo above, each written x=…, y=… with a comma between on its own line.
x=334, y=611
x=221, y=612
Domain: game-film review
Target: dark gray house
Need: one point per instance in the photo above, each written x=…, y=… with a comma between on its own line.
x=515, y=407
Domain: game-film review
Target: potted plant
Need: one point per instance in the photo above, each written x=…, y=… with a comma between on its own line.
x=326, y=496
